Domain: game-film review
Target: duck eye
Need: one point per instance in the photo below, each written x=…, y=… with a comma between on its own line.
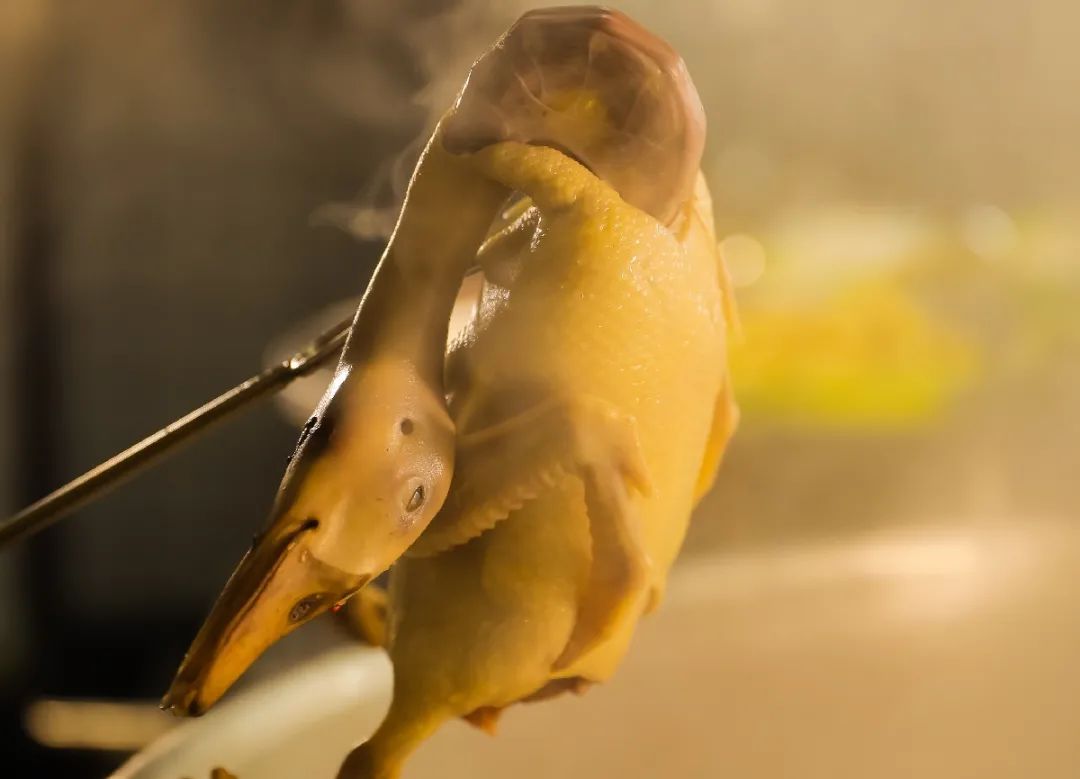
x=305, y=607
x=417, y=499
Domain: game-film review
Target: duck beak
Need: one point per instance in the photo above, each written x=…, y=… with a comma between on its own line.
x=278, y=586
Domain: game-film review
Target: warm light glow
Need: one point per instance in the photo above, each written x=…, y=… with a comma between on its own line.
x=917, y=575
x=119, y=726
x=988, y=231
x=745, y=258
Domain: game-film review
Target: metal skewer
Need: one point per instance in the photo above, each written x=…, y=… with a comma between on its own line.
x=109, y=474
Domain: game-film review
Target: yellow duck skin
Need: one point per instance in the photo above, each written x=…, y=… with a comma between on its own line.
x=591, y=390
x=532, y=485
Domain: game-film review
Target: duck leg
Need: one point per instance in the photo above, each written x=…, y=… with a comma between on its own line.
x=504, y=465
x=413, y=716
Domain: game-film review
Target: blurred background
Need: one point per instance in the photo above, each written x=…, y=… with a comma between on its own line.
x=897, y=191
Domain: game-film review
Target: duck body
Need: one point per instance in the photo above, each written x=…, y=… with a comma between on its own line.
x=528, y=485
x=600, y=305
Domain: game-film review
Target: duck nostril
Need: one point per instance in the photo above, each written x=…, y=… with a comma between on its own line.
x=305, y=607
x=308, y=524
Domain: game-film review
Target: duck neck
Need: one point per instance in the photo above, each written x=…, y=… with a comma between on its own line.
x=406, y=310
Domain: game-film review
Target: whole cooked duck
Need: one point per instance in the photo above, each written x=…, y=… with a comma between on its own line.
x=529, y=485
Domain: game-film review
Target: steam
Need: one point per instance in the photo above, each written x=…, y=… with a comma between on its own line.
x=443, y=45
x=873, y=121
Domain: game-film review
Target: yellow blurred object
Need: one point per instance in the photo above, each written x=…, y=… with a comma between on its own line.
x=866, y=356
